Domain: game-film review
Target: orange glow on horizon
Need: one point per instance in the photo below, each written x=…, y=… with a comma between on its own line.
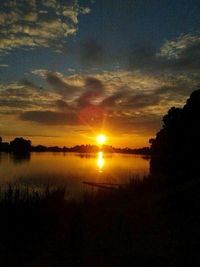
x=60, y=139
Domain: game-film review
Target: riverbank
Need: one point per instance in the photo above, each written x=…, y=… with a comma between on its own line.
x=143, y=223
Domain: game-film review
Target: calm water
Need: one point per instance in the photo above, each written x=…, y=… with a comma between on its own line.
x=70, y=169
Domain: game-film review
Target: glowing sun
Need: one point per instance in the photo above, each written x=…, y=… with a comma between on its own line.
x=101, y=138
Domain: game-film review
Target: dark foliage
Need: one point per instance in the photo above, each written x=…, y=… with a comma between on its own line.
x=20, y=145
x=4, y=146
x=142, y=224
x=175, y=150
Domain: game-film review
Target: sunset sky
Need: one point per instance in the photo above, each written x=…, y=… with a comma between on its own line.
x=71, y=69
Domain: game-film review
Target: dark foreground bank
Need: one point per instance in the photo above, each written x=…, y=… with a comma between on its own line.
x=144, y=223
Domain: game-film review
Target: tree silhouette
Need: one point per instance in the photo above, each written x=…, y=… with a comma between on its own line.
x=20, y=145
x=175, y=150
x=4, y=146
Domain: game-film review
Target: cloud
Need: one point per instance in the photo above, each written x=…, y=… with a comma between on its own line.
x=59, y=85
x=183, y=53
x=94, y=88
x=57, y=82
x=175, y=49
x=141, y=100
x=50, y=117
x=62, y=105
x=16, y=103
x=32, y=24
x=83, y=88
x=123, y=101
x=92, y=53
x=131, y=100
x=80, y=98
x=180, y=54
x=17, y=97
x=114, y=99
x=142, y=56
x=3, y=65
x=140, y=124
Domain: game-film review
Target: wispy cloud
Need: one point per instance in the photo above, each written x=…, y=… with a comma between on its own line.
x=132, y=100
x=18, y=97
x=44, y=23
x=50, y=117
x=3, y=65
x=175, y=49
x=182, y=53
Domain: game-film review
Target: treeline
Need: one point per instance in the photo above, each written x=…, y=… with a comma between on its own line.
x=21, y=145
x=18, y=145
x=175, y=150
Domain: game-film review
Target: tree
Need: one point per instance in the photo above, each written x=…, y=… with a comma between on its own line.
x=20, y=145
x=175, y=150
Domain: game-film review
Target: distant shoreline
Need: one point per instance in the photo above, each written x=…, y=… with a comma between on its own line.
x=22, y=146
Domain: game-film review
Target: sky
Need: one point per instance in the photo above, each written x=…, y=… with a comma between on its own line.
x=72, y=69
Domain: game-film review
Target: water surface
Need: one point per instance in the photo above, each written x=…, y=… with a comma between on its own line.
x=70, y=169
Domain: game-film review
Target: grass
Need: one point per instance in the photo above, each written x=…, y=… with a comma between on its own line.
x=144, y=223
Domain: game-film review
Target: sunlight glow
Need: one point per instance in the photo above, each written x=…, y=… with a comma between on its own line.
x=100, y=161
x=101, y=138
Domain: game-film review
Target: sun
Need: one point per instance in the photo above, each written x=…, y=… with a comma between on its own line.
x=101, y=138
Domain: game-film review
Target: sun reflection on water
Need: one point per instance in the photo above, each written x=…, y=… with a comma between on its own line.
x=100, y=161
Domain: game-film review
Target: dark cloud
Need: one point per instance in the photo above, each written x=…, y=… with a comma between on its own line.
x=182, y=54
x=61, y=104
x=126, y=100
x=91, y=114
x=64, y=106
x=170, y=92
x=91, y=53
x=59, y=85
x=167, y=90
x=111, y=100
x=176, y=90
x=142, y=55
x=94, y=84
x=138, y=124
x=189, y=59
x=16, y=103
x=143, y=100
x=94, y=88
x=31, y=85
x=50, y=117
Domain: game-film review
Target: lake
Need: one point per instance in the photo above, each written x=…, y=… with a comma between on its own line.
x=70, y=169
